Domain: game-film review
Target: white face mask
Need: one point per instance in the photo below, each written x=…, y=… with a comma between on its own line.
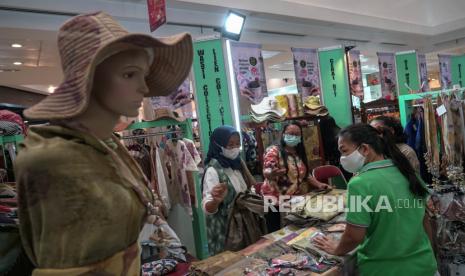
x=231, y=153
x=353, y=162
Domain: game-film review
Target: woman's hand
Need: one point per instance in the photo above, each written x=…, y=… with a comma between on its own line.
x=317, y=184
x=277, y=172
x=219, y=192
x=326, y=244
x=273, y=173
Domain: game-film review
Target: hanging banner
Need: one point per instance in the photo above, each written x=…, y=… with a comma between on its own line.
x=458, y=70
x=335, y=89
x=355, y=73
x=179, y=98
x=249, y=71
x=307, y=72
x=211, y=86
x=423, y=73
x=445, y=71
x=407, y=72
x=387, y=74
x=157, y=13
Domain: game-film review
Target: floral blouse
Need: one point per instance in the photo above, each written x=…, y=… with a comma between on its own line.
x=289, y=184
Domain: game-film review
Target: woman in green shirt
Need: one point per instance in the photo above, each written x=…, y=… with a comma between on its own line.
x=386, y=216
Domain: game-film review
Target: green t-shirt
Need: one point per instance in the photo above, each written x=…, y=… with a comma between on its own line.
x=395, y=242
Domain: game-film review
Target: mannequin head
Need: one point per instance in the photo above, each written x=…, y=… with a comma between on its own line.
x=119, y=84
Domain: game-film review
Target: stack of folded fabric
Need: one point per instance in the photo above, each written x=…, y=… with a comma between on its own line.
x=313, y=107
x=267, y=110
x=8, y=206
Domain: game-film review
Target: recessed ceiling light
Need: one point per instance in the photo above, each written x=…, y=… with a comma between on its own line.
x=51, y=89
x=16, y=45
x=17, y=63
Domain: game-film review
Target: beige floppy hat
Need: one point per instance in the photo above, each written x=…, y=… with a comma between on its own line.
x=86, y=40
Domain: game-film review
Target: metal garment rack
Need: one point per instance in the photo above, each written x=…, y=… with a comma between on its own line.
x=198, y=222
x=405, y=102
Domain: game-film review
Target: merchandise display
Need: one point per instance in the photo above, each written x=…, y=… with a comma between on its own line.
x=267, y=110
x=443, y=139
x=213, y=153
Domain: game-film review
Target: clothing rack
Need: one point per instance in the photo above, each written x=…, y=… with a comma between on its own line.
x=198, y=222
x=405, y=102
x=152, y=134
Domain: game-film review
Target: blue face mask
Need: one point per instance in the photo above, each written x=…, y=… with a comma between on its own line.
x=292, y=140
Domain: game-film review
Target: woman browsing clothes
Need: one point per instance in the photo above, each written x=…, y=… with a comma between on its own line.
x=391, y=231
x=83, y=199
x=225, y=177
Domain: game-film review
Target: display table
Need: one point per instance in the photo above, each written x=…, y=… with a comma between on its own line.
x=278, y=246
x=290, y=250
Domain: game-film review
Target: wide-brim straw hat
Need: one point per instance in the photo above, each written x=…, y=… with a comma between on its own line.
x=87, y=40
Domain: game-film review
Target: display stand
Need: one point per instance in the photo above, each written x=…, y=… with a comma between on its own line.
x=176, y=221
x=405, y=102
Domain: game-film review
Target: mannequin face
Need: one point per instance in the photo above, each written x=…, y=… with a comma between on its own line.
x=119, y=83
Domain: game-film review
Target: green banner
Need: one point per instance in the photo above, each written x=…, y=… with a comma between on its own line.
x=211, y=86
x=407, y=72
x=458, y=70
x=334, y=85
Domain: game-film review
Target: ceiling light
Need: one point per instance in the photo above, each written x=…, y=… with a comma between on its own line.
x=233, y=26
x=16, y=45
x=51, y=89
x=17, y=63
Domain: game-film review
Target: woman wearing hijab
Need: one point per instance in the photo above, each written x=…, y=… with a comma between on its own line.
x=225, y=177
x=83, y=199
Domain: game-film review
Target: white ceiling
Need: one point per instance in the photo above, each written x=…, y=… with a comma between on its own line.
x=431, y=13
x=425, y=25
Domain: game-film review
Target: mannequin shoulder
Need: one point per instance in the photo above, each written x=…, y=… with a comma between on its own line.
x=49, y=153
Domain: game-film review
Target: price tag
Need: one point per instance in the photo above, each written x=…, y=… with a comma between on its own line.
x=441, y=110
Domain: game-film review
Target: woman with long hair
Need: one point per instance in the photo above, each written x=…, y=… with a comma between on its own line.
x=386, y=217
x=395, y=132
x=285, y=166
x=286, y=171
